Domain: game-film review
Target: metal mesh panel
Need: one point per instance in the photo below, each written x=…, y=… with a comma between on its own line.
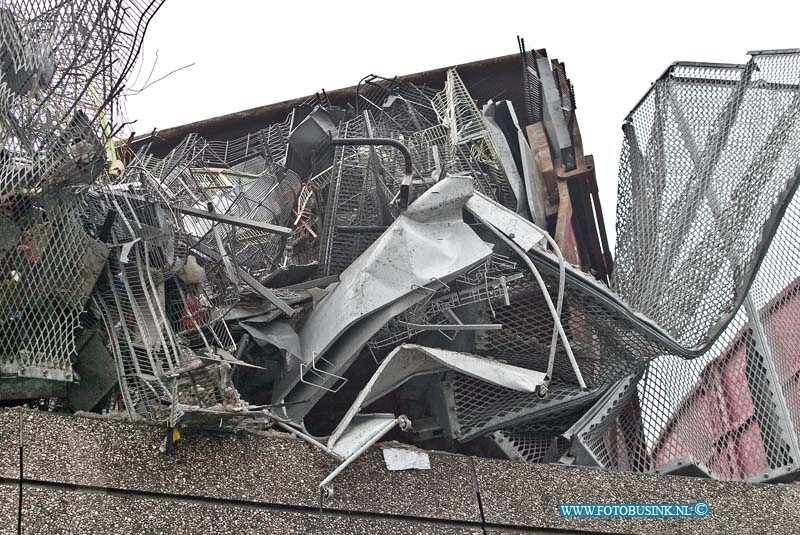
x=482, y=407
x=49, y=265
x=535, y=443
x=63, y=64
x=708, y=166
x=608, y=340
x=61, y=69
x=707, y=156
x=736, y=408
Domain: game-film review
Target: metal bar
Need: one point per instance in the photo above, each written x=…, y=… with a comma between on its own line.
x=707, y=65
x=307, y=438
x=782, y=412
x=774, y=52
x=601, y=224
x=266, y=293
x=360, y=229
x=211, y=216
x=226, y=259
x=234, y=220
x=453, y=327
x=556, y=316
x=607, y=407
x=321, y=282
x=248, y=279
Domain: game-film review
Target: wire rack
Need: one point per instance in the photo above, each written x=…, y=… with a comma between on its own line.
x=397, y=106
x=493, y=281
x=470, y=148
x=157, y=320
x=352, y=199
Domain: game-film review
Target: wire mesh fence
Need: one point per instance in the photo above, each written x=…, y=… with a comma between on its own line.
x=62, y=66
x=707, y=246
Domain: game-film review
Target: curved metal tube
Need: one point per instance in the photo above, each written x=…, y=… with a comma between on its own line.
x=405, y=185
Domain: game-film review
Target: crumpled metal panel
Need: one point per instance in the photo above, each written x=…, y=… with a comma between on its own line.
x=427, y=245
x=427, y=242
x=409, y=361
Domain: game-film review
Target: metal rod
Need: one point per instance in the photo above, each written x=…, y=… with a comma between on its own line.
x=556, y=316
x=234, y=220
x=212, y=216
x=356, y=454
x=360, y=229
x=453, y=327
x=307, y=438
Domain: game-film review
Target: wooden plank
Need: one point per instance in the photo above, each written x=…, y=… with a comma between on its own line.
x=565, y=236
x=541, y=149
x=535, y=188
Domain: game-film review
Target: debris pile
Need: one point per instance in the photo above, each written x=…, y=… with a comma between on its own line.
x=403, y=259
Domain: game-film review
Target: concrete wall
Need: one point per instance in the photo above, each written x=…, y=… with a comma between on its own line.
x=87, y=475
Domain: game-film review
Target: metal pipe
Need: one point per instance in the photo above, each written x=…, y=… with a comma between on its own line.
x=405, y=185
x=234, y=220
x=548, y=301
x=356, y=454
x=307, y=438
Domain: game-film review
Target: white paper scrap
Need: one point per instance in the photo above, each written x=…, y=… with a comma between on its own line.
x=406, y=459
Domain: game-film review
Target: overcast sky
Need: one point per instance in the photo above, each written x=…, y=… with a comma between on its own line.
x=251, y=53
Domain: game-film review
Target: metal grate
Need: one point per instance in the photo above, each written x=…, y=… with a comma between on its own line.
x=481, y=407
x=537, y=442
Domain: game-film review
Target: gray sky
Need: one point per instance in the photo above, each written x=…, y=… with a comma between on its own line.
x=251, y=53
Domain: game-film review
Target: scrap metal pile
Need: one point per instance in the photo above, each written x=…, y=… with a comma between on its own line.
x=408, y=258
